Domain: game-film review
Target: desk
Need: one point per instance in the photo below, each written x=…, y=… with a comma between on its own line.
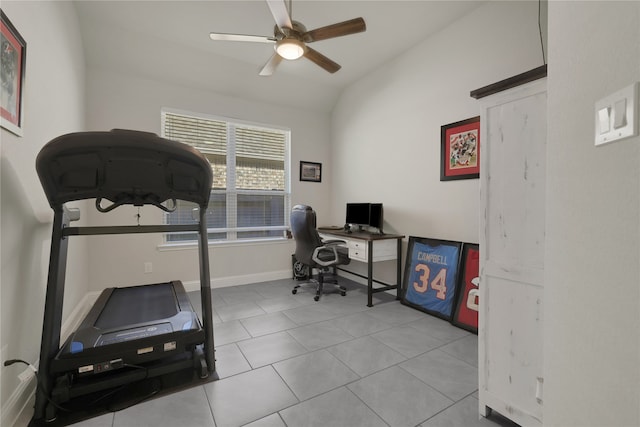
x=362, y=248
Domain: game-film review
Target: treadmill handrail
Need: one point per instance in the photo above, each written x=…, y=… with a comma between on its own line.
x=129, y=229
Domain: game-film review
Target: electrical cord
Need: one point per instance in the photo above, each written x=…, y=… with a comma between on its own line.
x=135, y=402
x=152, y=393
x=122, y=387
x=38, y=384
x=12, y=361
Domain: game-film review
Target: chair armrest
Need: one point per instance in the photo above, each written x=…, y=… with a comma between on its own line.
x=334, y=242
x=319, y=249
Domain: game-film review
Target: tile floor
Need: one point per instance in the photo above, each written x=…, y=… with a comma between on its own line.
x=286, y=360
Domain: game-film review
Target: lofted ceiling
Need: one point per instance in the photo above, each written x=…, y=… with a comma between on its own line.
x=169, y=41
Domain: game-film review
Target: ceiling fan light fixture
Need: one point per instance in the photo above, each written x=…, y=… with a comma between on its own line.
x=290, y=48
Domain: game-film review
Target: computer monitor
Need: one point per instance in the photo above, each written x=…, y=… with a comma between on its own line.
x=357, y=213
x=365, y=214
x=376, y=218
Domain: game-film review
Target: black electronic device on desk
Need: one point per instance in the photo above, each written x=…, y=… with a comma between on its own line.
x=364, y=215
x=135, y=333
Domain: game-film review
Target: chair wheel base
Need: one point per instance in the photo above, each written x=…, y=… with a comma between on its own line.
x=316, y=298
x=294, y=291
x=343, y=293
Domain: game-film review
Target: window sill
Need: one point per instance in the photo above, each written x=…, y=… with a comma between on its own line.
x=220, y=244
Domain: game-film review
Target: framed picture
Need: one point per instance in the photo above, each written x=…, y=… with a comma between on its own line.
x=465, y=314
x=460, y=150
x=14, y=50
x=431, y=275
x=310, y=171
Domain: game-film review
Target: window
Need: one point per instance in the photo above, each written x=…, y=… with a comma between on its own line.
x=250, y=196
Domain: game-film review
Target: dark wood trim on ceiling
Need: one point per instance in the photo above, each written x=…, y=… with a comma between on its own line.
x=520, y=79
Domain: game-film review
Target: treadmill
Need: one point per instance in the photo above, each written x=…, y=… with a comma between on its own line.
x=136, y=332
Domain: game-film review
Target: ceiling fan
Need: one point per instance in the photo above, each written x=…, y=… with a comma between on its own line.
x=290, y=38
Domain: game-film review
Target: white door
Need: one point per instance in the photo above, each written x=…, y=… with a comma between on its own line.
x=512, y=240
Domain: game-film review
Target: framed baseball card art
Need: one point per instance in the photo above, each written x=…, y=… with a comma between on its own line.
x=460, y=150
x=14, y=50
x=465, y=313
x=310, y=171
x=431, y=275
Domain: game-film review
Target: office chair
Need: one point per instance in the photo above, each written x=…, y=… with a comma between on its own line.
x=313, y=252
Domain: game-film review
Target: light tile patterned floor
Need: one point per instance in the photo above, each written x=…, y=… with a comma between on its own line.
x=286, y=361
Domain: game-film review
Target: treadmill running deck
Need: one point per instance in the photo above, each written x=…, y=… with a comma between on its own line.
x=132, y=325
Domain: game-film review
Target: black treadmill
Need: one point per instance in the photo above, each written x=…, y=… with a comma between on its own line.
x=131, y=333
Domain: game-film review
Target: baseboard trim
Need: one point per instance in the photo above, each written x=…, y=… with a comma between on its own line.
x=223, y=282
x=18, y=403
x=77, y=315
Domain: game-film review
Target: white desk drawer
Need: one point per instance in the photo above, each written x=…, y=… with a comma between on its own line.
x=357, y=250
x=383, y=250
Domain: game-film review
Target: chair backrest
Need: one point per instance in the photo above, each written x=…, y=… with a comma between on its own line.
x=123, y=166
x=303, y=228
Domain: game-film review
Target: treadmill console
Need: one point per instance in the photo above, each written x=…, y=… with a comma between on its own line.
x=134, y=334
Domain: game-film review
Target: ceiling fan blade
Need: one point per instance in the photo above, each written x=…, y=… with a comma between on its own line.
x=271, y=65
x=321, y=60
x=241, y=38
x=280, y=14
x=340, y=29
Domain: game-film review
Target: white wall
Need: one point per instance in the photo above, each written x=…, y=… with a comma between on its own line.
x=592, y=309
x=123, y=100
x=54, y=105
x=386, y=127
x=592, y=291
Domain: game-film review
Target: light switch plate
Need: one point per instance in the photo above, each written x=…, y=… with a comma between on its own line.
x=622, y=109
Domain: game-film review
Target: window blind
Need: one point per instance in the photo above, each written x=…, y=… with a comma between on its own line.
x=250, y=194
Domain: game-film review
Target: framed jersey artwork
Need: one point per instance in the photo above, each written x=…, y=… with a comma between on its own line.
x=431, y=275
x=465, y=313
